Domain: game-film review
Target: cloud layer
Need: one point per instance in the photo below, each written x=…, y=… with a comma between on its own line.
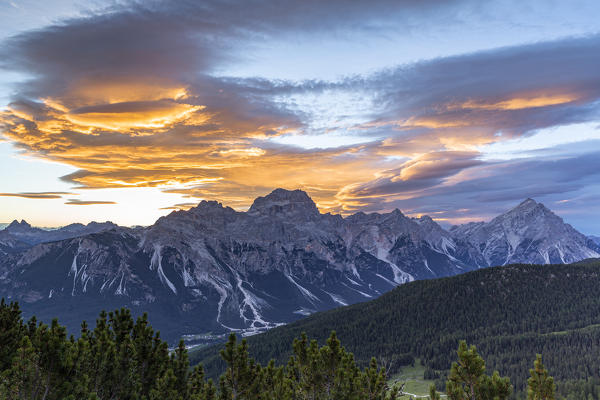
x=132, y=98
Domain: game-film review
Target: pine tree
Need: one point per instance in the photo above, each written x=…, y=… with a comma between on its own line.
x=81, y=366
x=53, y=349
x=11, y=332
x=104, y=358
x=240, y=378
x=199, y=388
x=374, y=384
x=22, y=379
x=468, y=381
x=181, y=365
x=166, y=388
x=151, y=354
x=540, y=386
x=309, y=379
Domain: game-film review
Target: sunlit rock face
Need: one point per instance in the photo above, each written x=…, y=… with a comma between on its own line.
x=213, y=269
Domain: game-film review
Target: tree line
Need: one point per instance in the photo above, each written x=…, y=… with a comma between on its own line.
x=127, y=360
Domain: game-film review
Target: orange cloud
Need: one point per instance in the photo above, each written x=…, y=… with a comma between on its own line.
x=131, y=115
x=89, y=91
x=206, y=154
x=518, y=103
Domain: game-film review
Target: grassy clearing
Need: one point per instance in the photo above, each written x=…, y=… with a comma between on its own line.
x=412, y=376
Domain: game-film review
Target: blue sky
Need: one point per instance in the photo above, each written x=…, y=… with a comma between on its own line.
x=456, y=109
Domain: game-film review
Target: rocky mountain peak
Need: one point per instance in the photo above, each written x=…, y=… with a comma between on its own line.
x=286, y=203
x=534, y=215
x=425, y=219
x=397, y=212
x=208, y=205
x=529, y=205
x=207, y=213
x=528, y=202
x=211, y=212
x=18, y=226
x=428, y=224
x=529, y=232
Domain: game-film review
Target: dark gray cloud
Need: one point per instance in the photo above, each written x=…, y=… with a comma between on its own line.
x=78, y=202
x=182, y=41
x=36, y=195
x=509, y=91
x=180, y=206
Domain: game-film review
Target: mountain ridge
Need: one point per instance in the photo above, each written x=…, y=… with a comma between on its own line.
x=212, y=268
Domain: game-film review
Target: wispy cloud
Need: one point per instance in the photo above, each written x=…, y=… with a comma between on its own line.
x=37, y=195
x=77, y=202
x=180, y=206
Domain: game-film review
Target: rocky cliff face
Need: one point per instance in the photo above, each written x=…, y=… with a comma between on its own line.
x=214, y=269
x=529, y=233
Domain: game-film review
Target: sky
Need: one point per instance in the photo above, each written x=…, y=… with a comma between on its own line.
x=458, y=109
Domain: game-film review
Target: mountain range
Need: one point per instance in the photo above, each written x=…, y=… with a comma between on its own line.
x=17, y=235
x=214, y=269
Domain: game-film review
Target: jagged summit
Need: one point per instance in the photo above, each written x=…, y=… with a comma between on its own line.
x=528, y=202
x=16, y=225
x=285, y=203
x=209, y=206
x=425, y=219
x=526, y=206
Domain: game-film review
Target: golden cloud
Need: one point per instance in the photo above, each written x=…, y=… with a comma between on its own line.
x=206, y=142
x=89, y=92
x=519, y=103
x=131, y=115
x=202, y=153
x=159, y=137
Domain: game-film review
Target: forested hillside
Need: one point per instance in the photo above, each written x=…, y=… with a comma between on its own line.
x=510, y=313
x=125, y=360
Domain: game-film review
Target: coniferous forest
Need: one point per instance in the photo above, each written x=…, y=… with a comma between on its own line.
x=510, y=313
x=124, y=358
